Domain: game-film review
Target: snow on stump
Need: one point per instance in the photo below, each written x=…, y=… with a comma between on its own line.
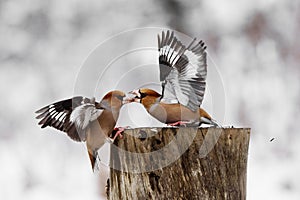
x=180, y=163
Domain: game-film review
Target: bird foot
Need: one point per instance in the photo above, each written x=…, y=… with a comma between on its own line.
x=118, y=132
x=179, y=123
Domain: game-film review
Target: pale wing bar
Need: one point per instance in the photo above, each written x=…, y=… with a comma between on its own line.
x=192, y=75
x=61, y=116
x=183, y=69
x=170, y=50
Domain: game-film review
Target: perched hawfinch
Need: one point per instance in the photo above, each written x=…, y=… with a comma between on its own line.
x=182, y=74
x=84, y=119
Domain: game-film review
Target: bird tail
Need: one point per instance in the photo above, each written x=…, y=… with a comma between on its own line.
x=205, y=118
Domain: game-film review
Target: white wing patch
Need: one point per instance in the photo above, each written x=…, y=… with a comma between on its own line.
x=173, y=57
x=57, y=116
x=84, y=114
x=182, y=70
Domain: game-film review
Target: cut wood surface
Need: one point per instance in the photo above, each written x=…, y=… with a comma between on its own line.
x=180, y=163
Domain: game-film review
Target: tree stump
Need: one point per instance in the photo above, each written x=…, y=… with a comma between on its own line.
x=180, y=163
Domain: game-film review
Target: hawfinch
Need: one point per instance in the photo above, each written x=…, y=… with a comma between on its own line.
x=84, y=119
x=182, y=74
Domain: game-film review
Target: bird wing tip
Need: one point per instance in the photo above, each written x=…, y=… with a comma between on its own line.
x=40, y=110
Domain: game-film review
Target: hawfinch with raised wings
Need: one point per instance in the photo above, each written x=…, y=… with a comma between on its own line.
x=183, y=73
x=84, y=119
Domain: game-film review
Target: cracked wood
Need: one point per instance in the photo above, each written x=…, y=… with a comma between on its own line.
x=180, y=163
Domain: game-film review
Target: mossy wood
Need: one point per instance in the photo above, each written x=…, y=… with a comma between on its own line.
x=180, y=163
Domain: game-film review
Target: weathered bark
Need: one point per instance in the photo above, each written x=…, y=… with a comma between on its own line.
x=180, y=163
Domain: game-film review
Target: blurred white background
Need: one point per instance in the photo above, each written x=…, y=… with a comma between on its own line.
x=253, y=44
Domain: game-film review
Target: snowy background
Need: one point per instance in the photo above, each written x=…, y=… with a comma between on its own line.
x=253, y=45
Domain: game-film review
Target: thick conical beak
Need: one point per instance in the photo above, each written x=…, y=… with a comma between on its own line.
x=136, y=93
x=128, y=98
x=132, y=96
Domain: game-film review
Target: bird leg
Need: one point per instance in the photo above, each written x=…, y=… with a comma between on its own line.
x=180, y=123
x=118, y=132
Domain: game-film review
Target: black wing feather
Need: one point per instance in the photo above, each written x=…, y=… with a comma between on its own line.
x=182, y=69
x=57, y=115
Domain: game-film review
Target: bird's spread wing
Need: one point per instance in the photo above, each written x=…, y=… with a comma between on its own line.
x=71, y=116
x=182, y=70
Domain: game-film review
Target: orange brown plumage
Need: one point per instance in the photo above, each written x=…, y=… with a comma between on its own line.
x=84, y=119
x=183, y=71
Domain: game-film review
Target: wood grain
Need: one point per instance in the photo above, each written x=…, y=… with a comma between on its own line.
x=180, y=163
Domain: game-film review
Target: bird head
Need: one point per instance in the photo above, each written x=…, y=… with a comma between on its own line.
x=113, y=99
x=145, y=96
